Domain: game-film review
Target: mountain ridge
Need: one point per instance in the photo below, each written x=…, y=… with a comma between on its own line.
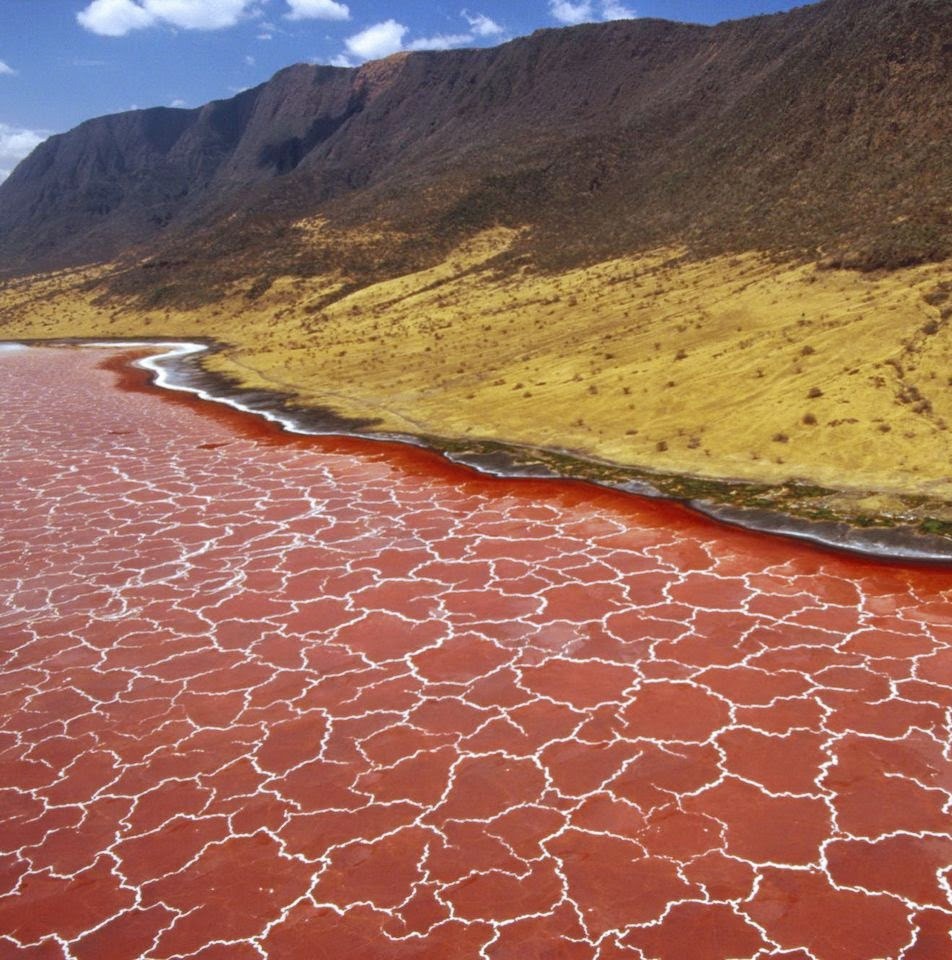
x=813, y=132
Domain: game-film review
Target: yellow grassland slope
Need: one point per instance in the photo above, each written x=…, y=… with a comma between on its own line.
x=724, y=368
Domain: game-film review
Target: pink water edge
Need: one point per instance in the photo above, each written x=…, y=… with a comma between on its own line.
x=267, y=696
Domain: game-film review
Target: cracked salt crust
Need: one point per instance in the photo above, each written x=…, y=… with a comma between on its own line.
x=264, y=696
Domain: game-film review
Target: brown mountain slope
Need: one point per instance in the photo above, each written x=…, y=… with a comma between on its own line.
x=822, y=130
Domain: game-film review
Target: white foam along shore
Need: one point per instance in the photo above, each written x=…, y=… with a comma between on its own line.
x=877, y=544
x=170, y=373
x=169, y=365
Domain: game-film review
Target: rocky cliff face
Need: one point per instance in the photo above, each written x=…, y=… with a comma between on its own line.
x=823, y=130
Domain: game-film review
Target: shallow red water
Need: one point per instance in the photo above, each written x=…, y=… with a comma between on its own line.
x=273, y=697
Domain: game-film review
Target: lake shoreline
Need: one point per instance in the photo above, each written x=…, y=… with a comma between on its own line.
x=178, y=369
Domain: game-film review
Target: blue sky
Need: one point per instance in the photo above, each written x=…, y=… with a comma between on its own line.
x=64, y=61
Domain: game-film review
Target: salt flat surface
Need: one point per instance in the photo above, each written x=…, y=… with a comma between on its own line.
x=290, y=697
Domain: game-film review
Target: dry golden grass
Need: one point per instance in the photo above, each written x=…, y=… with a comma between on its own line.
x=725, y=368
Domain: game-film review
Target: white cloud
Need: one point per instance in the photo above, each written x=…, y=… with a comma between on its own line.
x=318, y=10
x=482, y=26
x=383, y=39
x=116, y=18
x=6, y=70
x=198, y=14
x=584, y=11
x=15, y=144
x=178, y=103
x=377, y=41
x=612, y=10
x=442, y=41
x=566, y=12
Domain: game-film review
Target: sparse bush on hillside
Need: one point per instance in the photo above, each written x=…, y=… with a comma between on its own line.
x=905, y=244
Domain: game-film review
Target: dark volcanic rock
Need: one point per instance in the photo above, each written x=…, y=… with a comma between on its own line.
x=824, y=130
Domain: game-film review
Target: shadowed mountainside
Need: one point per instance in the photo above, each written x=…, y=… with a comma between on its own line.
x=820, y=132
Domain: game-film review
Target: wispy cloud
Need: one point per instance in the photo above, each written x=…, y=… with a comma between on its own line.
x=612, y=10
x=267, y=30
x=584, y=11
x=6, y=70
x=566, y=12
x=15, y=144
x=390, y=36
x=442, y=41
x=317, y=10
x=481, y=25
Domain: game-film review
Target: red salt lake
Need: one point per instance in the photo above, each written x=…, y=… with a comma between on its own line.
x=268, y=696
